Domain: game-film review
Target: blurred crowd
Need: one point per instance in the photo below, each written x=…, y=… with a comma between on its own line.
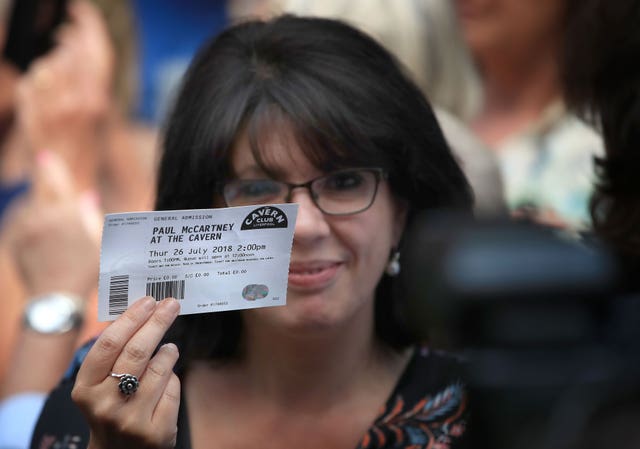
x=79, y=131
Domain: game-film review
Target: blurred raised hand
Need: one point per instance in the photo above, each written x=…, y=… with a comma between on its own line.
x=64, y=99
x=52, y=237
x=54, y=233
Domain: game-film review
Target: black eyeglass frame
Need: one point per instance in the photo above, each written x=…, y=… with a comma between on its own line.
x=379, y=173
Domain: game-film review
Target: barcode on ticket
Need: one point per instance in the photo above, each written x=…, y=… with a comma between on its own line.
x=118, y=294
x=161, y=290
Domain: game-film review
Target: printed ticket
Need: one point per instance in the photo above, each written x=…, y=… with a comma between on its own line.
x=209, y=259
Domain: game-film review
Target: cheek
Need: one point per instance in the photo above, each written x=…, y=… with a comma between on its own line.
x=373, y=250
x=371, y=240
x=371, y=253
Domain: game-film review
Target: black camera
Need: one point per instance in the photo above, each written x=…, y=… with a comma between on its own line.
x=550, y=342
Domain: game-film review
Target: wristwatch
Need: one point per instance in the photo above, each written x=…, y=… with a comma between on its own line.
x=54, y=313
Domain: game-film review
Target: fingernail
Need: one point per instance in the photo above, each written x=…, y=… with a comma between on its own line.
x=170, y=347
x=171, y=304
x=148, y=303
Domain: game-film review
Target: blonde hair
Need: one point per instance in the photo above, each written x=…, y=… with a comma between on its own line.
x=4, y=10
x=119, y=19
x=422, y=34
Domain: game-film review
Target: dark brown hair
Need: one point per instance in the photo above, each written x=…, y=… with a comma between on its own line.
x=348, y=104
x=601, y=68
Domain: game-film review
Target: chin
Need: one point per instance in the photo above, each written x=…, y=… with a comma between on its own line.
x=309, y=314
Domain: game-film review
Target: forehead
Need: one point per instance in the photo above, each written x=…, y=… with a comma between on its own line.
x=274, y=151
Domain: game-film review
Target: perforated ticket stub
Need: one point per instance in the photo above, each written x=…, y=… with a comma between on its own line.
x=209, y=259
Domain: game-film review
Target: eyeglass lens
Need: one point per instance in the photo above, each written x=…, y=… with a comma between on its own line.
x=340, y=192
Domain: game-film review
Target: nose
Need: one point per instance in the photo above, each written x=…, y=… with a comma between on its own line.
x=311, y=223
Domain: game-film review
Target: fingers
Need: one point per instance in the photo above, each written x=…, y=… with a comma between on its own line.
x=128, y=343
x=104, y=353
x=136, y=353
x=166, y=412
x=155, y=381
x=148, y=417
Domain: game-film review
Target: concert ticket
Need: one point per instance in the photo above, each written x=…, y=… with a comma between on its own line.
x=208, y=259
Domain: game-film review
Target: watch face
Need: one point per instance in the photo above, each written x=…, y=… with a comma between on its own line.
x=52, y=314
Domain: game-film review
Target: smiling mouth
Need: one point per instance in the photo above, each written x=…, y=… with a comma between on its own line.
x=312, y=276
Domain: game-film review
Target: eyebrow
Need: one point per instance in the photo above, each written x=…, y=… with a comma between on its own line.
x=257, y=171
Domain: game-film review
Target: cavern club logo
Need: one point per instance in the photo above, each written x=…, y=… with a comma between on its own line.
x=265, y=217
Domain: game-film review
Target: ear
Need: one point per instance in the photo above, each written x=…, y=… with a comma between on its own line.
x=401, y=209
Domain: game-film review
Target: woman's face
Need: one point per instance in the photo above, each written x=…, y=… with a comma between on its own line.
x=494, y=25
x=336, y=261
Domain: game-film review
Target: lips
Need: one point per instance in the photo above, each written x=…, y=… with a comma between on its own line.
x=312, y=275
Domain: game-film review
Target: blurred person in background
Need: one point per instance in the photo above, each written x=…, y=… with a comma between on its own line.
x=56, y=236
x=71, y=142
x=83, y=139
x=545, y=152
x=424, y=36
x=80, y=95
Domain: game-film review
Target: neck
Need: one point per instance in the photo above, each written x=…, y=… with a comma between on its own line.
x=314, y=371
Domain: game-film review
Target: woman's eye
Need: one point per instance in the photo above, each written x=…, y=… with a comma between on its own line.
x=259, y=189
x=344, y=181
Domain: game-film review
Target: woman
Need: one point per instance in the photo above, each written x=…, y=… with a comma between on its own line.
x=545, y=153
x=311, y=111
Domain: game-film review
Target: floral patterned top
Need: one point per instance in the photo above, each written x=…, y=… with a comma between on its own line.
x=427, y=410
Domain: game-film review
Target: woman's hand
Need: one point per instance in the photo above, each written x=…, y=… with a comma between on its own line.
x=147, y=418
x=54, y=233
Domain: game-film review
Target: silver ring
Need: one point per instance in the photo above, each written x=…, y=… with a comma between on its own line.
x=128, y=383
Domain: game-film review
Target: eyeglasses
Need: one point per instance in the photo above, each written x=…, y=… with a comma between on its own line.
x=341, y=192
